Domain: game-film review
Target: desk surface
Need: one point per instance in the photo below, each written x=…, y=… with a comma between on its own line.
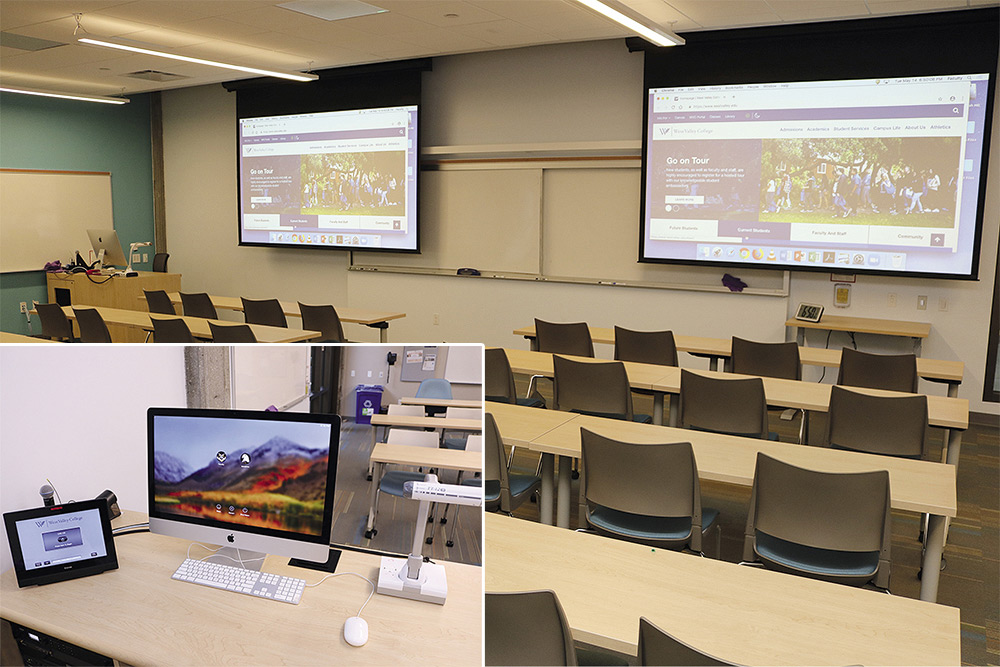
x=139, y=615
x=198, y=325
x=931, y=369
x=943, y=411
x=442, y=402
x=916, y=486
x=354, y=315
x=746, y=615
x=432, y=457
x=6, y=337
x=453, y=423
x=864, y=325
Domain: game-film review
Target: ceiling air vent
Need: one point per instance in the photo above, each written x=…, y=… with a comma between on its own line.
x=155, y=75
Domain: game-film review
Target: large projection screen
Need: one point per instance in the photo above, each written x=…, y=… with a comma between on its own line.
x=878, y=175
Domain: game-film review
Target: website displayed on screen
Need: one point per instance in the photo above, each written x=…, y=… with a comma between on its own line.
x=333, y=179
x=848, y=176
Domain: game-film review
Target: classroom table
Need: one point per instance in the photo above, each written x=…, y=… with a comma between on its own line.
x=916, y=331
x=409, y=455
x=716, y=349
x=441, y=402
x=942, y=411
x=916, y=486
x=376, y=319
x=138, y=615
x=745, y=615
x=138, y=319
x=7, y=337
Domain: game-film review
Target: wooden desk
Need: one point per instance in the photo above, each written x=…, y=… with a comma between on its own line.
x=442, y=402
x=915, y=330
x=935, y=370
x=13, y=338
x=408, y=455
x=375, y=319
x=140, y=616
x=746, y=615
x=916, y=486
x=138, y=320
x=113, y=292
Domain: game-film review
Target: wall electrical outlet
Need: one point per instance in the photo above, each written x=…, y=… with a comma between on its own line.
x=437, y=319
x=942, y=303
x=136, y=257
x=892, y=300
x=24, y=307
x=922, y=302
x=145, y=256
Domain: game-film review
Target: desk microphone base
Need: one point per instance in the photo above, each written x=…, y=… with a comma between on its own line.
x=431, y=585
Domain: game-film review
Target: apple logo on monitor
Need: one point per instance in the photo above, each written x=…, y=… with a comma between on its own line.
x=230, y=538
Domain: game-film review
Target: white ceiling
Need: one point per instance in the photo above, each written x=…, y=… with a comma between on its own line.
x=259, y=33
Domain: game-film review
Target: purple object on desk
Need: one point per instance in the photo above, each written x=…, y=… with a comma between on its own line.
x=733, y=283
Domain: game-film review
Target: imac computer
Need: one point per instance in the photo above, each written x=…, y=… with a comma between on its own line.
x=107, y=240
x=252, y=480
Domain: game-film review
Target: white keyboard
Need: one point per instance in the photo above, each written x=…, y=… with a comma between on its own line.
x=239, y=580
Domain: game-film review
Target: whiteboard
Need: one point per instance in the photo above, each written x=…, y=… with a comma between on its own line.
x=464, y=364
x=264, y=375
x=45, y=215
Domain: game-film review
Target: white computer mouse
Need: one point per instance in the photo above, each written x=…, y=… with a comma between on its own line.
x=356, y=631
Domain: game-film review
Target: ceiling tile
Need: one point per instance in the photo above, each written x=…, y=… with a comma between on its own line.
x=818, y=10
x=505, y=33
x=725, y=13
x=448, y=14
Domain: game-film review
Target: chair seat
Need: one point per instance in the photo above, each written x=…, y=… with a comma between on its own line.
x=595, y=413
x=531, y=402
x=640, y=527
x=491, y=492
x=520, y=483
x=453, y=443
x=827, y=562
x=642, y=419
x=392, y=481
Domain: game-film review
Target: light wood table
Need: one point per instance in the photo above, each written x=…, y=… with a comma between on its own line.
x=139, y=320
x=442, y=402
x=715, y=349
x=7, y=337
x=376, y=319
x=917, y=331
x=113, y=292
x=408, y=455
x=915, y=486
x=140, y=616
x=746, y=615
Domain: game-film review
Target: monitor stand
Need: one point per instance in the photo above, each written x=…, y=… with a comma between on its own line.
x=252, y=560
x=330, y=565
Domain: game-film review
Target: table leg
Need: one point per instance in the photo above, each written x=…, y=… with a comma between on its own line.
x=713, y=363
x=954, y=439
x=953, y=389
x=383, y=335
x=563, y=501
x=800, y=336
x=917, y=345
x=675, y=409
x=658, y=408
x=532, y=343
x=377, y=468
x=930, y=572
x=548, y=482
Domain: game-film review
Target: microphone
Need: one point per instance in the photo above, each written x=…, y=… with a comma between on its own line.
x=46, y=492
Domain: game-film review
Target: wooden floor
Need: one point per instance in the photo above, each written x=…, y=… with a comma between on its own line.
x=396, y=516
x=970, y=578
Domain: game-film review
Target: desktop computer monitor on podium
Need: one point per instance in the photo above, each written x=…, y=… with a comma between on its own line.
x=107, y=240
x=252, y=480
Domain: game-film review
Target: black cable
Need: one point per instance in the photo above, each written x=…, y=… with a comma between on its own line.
x=826, y=346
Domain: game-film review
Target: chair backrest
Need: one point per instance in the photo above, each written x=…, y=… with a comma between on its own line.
x=892, y=425
x=402, y=436
x=772, y=360
x=528, y=628
x=736, y=407
x=434, y=388
x=474, y=443
x=657, y=647
x=495, y=463
x=92, y=326
x=324, y=319
x=499, y=377
x=160, y=262
x=463, y=413
x=647, y=347
x=263, y=311
x=569, y=338
x=894, y=372
x=232, y=333
x=405, y=410
x=652, y=480
x=591, y=387
x=823, y=510
x=198, y=304
x=171, y=330
x=159, y=302
x=55, y=324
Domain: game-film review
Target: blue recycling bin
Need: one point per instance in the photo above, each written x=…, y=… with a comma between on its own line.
x=369, y=402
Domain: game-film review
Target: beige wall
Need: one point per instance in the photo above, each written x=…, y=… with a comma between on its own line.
x=564, y=93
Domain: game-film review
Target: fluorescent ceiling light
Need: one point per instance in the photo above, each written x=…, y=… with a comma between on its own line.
x=292, y=76
x=648, y=30
x=66, y=96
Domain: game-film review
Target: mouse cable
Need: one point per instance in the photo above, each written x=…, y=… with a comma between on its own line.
x=353, y=574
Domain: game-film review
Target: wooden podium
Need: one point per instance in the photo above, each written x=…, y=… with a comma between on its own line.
x=112, y=291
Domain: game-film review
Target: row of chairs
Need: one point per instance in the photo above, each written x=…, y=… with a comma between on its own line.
x=530, y=628
x=779, y=360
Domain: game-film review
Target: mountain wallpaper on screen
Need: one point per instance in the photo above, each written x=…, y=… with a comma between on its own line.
x=282, y=488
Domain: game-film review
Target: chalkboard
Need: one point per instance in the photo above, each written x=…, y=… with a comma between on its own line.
x=45, y=215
